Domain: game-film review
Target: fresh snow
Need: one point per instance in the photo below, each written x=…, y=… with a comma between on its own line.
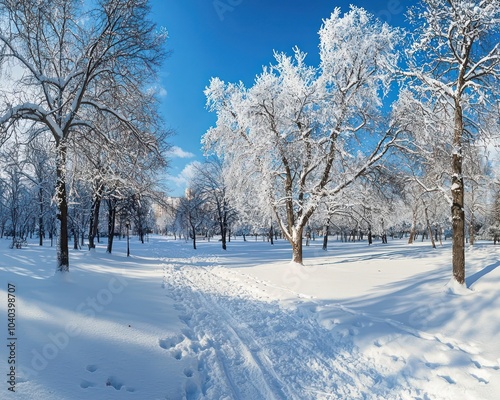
x=170, y=322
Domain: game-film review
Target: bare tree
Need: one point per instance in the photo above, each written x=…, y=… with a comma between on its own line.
x=74, y=63
x=192, y=212
x=210, y=183
x=39, y=158
x=16, y=192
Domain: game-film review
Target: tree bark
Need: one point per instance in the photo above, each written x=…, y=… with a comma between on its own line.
x=223, y=229
x=75, y=239
x=413, y=228
x=457, y=192
x=472, y=235
x=94, y=217
x=429, y=228
x=325, y=237
x=193, y=229
x=111, y=224
x=40, y=217
x=62, y=205
x=297, y=246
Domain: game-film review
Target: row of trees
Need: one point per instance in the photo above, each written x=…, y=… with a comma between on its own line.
x=410, y=111
x=27, y=207
x=376, y=206
x=78, y=113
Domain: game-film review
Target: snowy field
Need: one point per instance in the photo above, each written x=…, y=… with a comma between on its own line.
x=355, y=322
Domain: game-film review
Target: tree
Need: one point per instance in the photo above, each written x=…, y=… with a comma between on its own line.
x=75, y=63
x=494, y=218
x=455, y=61
x=16, y=192
x=211, y=185
x=193, y=212
x=38, y=157
x=301, y=134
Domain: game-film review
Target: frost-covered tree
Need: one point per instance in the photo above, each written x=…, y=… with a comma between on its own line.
x=210, y=184
x=75, y=60
x=16, y=196
x=494, y=218
x=478, y=178
x=455, y=60
x=192, y=213
x=41, y=172
x=301, y=134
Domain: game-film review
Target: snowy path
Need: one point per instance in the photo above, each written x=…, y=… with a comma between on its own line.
x=248, y=347
x=246, y=342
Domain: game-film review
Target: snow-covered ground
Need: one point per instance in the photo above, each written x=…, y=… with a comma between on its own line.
x=356, y=322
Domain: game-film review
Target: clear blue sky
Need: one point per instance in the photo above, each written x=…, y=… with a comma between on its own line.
x=233, y=39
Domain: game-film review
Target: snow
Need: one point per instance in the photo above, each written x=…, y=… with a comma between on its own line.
x=356, y=322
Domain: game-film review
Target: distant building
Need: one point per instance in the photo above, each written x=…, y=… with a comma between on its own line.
x=164, y=213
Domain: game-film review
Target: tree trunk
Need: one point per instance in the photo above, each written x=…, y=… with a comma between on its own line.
x=40, y=217
x=457, y=192
x=62, y=205
x=325, y=237
x=223, y=229
x=75, y=239
x=413, y=228
x=111, y=224
x=429, y=228
x=193, y=229
x=297, y=246
x=384, y=233
x=471, y=230
x=94, y=217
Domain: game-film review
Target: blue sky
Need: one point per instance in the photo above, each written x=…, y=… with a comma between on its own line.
x=233, y=39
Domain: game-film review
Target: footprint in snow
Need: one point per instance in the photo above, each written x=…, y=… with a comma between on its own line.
x=114, y=382
x=170, y=342
x=91, y=368
x=481, y=375
x=86, y=384
x=448, y=379
x=192, y=390
x=177, y=354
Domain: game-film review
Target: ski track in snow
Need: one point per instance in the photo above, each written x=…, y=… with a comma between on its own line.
x=237, y=336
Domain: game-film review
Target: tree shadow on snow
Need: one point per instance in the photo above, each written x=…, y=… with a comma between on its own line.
x=478, y=275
